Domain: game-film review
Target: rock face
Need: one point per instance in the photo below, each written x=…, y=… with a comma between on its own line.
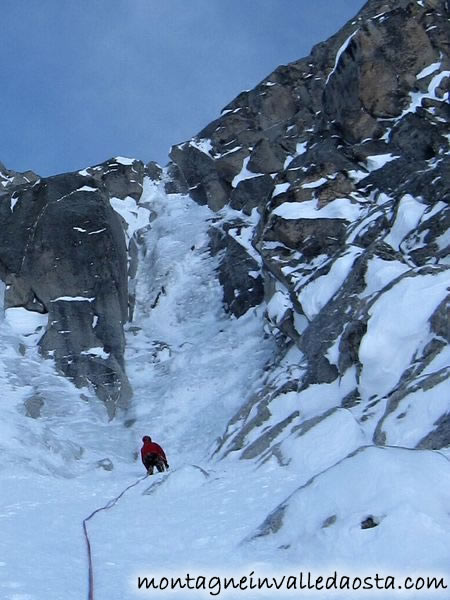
x=330, y=183
x=64, y=253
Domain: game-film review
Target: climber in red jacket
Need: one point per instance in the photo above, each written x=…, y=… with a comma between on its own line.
x=153, y=456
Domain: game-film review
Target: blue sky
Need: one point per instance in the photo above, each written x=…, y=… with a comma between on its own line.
x=84, y=80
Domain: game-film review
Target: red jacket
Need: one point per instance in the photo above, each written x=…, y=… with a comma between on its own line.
x=152, y=448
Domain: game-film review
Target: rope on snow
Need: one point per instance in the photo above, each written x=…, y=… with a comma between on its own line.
x=107, y=506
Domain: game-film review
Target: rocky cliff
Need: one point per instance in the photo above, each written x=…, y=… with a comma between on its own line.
x=67, y=250
x=336, y=168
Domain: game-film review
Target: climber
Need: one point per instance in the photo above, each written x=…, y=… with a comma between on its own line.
x=153, y=456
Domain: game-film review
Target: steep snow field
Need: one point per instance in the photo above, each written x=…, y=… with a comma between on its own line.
x=192, y=367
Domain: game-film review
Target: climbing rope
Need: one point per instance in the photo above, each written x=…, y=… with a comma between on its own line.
x=107, y=506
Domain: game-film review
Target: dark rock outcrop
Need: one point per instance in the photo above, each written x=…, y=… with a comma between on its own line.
x=64, y=253
x=239, y=273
